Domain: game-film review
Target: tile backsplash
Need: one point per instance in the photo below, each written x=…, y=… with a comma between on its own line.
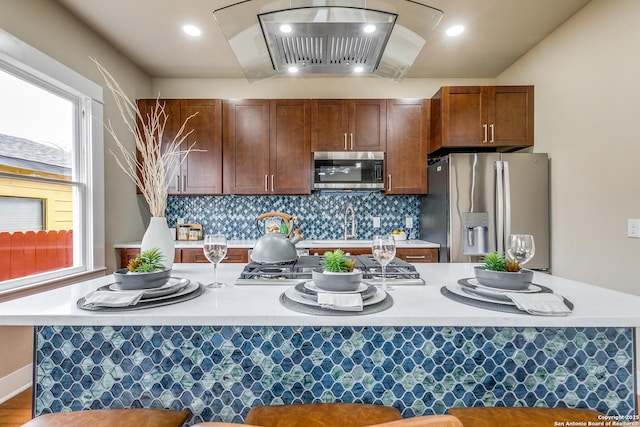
x=320, y=215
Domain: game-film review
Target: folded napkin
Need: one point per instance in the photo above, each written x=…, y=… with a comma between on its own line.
x=113, y=299
x=542, y=303
x=345, y=302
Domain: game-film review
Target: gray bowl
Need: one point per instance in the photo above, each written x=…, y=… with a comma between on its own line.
x=337, y=282
x=504, y=279
x=134, y=281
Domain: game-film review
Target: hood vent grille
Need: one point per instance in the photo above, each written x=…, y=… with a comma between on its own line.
x=326, y=47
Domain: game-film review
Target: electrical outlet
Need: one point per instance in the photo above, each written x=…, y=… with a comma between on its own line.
x=408, y=222
x=633, y=228
x=376, y=222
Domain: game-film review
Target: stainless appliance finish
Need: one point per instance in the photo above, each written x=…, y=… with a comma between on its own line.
x=398, y=271
x=348, y=170
x=476, y=200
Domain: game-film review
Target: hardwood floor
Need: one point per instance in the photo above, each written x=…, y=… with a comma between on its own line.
x=17, y=410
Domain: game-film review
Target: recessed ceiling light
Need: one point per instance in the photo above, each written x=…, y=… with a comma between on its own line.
x=191, y=30
x=358, y=69
x=369, y=28
x=285, y=28
x=455, y=30
x=293, y=69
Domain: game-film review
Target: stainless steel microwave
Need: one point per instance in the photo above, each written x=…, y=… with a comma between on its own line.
x=348, y=170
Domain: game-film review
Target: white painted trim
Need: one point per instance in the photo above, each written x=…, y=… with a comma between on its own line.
x=16, y=382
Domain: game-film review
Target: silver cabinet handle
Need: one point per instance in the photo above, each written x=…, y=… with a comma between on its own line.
x=389, y=182
x=178, y=182
x=484, y=126
x=493, y=134
x=266, y=183
x=415, y=257
x=272, y=187
x=351, y=138
x=345, y=142
x=184, y=183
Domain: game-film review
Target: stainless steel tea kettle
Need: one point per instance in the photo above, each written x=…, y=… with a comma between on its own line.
x=274, y=247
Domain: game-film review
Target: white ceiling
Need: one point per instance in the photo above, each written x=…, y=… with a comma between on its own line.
x=148, y=32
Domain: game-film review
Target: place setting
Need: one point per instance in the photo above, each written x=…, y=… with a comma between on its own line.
x=337, y=289
x=502, y=284
x=145, y=283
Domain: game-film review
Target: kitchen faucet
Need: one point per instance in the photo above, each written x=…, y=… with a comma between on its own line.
x=348, y=209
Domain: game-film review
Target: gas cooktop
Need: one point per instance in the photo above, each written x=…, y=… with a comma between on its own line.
x=398, y=271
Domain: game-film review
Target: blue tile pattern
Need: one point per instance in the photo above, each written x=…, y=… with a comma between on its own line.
x=320, y=215
x=219, y=373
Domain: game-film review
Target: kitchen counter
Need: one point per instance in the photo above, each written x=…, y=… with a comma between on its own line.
x=236, y=347
x=304, y=244
x=259, y=305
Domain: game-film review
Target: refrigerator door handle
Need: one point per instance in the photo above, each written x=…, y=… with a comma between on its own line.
x=507, y=201
x=499, y=208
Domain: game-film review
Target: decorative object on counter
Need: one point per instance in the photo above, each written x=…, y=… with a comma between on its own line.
x=399, y=235
x=501, y=273
x=215, y=249
x=275, y=248
x=146, y=271
x=521, y=248
x=383, y=249
x=338, y=273
x=157, y=163
x=189, y=232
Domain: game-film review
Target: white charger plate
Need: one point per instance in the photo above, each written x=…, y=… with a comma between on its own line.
x=473, y=286
x=175, y=284
x=295, y=296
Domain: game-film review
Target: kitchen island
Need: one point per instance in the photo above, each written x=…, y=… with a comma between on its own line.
x=233, y=348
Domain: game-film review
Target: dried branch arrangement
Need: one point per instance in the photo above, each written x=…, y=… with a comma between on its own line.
x=156, y=163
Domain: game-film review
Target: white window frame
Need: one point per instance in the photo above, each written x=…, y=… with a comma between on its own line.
x=19, y=58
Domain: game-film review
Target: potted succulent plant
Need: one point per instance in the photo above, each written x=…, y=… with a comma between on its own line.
x=499, y=272
x=144, y=272
x=338, y=273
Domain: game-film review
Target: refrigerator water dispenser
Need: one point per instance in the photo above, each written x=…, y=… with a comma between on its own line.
x=475, y=233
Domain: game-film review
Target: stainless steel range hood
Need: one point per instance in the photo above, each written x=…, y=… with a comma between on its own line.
x=377, y=37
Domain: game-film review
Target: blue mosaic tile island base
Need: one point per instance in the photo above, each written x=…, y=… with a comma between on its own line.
x=219, y=373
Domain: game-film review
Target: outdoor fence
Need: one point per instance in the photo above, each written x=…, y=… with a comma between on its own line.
x=26, y=253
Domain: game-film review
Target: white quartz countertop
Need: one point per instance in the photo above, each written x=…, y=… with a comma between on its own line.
x=259, y=305
x=304, y=244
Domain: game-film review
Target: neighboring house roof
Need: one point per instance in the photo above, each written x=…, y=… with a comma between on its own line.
x=27, y=154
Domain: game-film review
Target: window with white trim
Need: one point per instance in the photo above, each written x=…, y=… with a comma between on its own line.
x=50, y=162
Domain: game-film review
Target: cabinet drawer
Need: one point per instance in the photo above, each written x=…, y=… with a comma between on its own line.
x=418, y=254
x=197, y=256
x=127, y=255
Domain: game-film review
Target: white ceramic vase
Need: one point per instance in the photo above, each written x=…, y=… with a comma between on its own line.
x=158, y=236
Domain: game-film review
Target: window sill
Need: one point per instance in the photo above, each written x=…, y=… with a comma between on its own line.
x=36, y=288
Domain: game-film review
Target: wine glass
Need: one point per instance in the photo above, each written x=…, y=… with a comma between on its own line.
x=215, y=249
x=521, y=247
x=384, y=250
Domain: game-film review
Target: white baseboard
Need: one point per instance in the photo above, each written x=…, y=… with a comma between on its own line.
x=15, y=382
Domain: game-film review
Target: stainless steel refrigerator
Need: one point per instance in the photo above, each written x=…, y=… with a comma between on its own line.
x=476, y=200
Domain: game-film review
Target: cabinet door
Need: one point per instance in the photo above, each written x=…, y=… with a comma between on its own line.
x=407, y=143
x=464, y=120
x=367, y=125
x=245, y=141
x=201, y=172
x=172, y=125
x=510, y=115
x=348, y=251
x=329, y=125
x=290, y=147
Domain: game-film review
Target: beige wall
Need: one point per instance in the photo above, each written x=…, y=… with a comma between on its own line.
x=587, y=116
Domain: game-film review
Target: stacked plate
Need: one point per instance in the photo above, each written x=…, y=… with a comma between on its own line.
x=308, y=298
x=112, y=298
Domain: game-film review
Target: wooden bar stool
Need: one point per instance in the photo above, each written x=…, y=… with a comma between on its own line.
x=112, y=417
x=521, y=417
x=322, y=415
x=425, y=421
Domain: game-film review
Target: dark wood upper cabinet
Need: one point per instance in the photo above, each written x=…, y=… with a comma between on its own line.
x=348, y=125
x=488, y=117
x=266, y=146
x=201, y=172
x=407, y=144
